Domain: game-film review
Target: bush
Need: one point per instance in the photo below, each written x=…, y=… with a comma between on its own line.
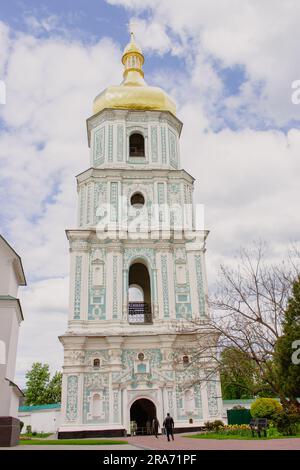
x=287, y=423
x=238, y=407
x=208, y=426
x=214, y=425
x=265, y=408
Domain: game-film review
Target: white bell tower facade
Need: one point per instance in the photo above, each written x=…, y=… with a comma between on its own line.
x=137, y=273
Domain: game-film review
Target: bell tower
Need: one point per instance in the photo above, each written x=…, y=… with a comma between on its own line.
x=137, y=272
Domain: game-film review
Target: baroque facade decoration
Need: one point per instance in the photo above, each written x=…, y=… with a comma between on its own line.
x=136, y=273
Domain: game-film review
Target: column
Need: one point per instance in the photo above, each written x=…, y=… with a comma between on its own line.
x=125, y=410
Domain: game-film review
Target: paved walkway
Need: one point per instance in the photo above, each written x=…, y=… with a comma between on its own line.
x=180, y=443
x=184, y=443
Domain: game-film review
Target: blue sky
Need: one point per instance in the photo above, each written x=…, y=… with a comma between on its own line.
x=229, y=66
x=87, y=21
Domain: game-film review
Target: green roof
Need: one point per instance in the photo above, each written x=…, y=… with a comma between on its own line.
x=7, y=297
x=239, y=402
x=39, y=407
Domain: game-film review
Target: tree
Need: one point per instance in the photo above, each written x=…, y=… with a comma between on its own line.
x=40, y=389
x=239, y=375
x=248, y=313
x=288, y=371
x=53, y=391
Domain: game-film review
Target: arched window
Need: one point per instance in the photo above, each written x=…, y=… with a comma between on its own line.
x=136, y=145
x=96, y=363
x=139, y=305
x=141, y=356
x=137, y=200
x=185, y=360
x=2, y=352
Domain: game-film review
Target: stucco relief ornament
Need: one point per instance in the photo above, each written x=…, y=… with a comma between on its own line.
x=97, y=254
x=76, y=357
x=180, y=255
x=96, y=381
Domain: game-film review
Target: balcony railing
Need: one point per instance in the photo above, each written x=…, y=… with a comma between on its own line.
x=135, y=152
x=139, y=313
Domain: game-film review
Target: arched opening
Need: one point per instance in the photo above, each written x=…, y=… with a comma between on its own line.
x=139, y=293
x=137, y=200
x=142, y=412
x=96, y=363
x=136, y=145
x=185, y=360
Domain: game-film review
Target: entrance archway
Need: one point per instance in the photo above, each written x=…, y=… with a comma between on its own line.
x=142, y=412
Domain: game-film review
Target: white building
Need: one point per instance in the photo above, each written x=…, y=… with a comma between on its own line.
x=135, y=273
x=11, y=277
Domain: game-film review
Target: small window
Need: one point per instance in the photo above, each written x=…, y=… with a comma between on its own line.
x=141, y=356
x=96, y=363
x=137, y=200
x=136, y=145
x=185, y=360
x=191, y=420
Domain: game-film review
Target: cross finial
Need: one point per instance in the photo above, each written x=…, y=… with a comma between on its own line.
x=132, y=26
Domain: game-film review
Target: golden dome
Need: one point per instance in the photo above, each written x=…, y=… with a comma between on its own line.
x=133, y=92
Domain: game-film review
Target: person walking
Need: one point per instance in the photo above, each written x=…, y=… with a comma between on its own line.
x=148, y=427
x=155, y=426
x=169, y=426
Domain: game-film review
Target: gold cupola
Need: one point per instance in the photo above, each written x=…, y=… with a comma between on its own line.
x=133, y=92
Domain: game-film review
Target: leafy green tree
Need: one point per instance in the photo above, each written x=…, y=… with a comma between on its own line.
x=53, y=391
x=237, y=374
x=37, y=379
x=240, y=377
x=40, y=389
x=286, y=364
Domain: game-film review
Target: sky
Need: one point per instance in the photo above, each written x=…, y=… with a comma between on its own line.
x=230, y=67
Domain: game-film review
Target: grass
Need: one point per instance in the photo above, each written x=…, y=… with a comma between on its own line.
x=78, y=442
x=219, y=436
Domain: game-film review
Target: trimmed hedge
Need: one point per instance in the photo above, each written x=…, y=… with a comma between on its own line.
x=265, y=408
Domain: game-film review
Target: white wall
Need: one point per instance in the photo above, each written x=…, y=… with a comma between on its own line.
x=41, y=420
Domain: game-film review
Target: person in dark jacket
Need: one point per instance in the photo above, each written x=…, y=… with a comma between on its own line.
x=169, y=426
x=155, y=426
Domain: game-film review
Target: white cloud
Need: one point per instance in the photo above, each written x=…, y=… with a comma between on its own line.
x=262, y=36
x=45, y=306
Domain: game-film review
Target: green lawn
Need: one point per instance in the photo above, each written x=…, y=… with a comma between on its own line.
x=79, y=442
x=215, y=435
